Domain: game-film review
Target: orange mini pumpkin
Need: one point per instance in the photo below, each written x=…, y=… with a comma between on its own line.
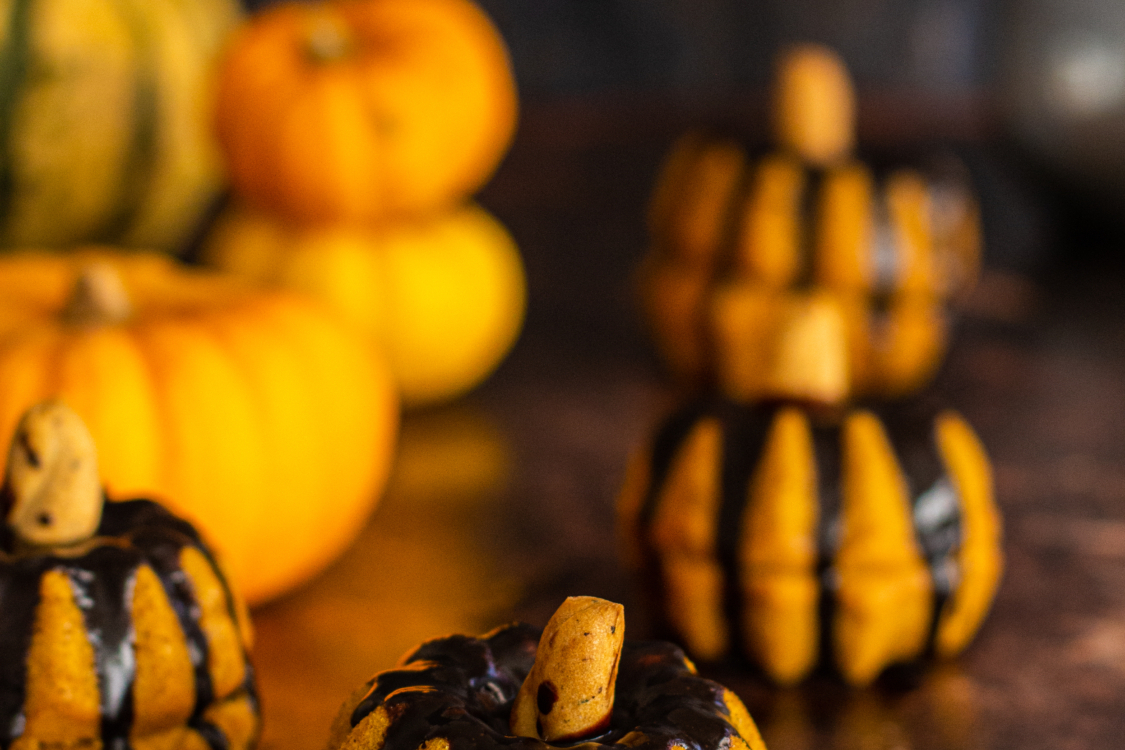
x=258, y=415
x=364, y=110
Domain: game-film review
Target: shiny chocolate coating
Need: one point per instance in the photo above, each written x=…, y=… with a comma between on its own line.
x=461, y=689
x=909, y=426
x=101, y=573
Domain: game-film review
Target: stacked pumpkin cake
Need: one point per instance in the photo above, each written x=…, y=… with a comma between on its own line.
x=354, y=132
x=807, y=507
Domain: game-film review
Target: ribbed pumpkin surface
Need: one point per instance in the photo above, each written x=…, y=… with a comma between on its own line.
x=861, y=539
x=103, y=119
x=257, y=415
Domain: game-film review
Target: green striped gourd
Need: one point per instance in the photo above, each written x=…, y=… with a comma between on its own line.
x=104, y=119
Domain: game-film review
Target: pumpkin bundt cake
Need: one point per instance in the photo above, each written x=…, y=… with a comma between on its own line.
x=576, y=681
x=117, y=627
x=796, y=534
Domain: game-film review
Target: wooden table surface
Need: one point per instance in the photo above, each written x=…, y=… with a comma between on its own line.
x=502, y=504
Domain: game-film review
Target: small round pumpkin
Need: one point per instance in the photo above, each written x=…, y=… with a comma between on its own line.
x=119, y=629
x=258, y=415
x=104, y=121
x=443, y=298
x=737, y=238
x=797, y=535
x=364, y=110
x=519, y=686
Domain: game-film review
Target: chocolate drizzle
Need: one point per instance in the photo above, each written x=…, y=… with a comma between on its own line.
x=827, y=454
x=462, y=689
x=745, y=430
x=131, y=534
x=17, y=616
x=808, y=223
x=910, y=428
x=936, y=507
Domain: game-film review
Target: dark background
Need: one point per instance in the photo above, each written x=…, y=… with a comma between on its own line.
x=1030, y=92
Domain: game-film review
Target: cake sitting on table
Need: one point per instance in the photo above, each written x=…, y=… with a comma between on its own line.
x=117, y=627
x=577, y=681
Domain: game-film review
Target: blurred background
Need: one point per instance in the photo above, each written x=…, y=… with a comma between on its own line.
x=1029, y=93
x=1041, y=83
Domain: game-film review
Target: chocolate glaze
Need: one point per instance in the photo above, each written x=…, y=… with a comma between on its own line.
x=827, y=454
x=808, y=222
x=884, y=260
x=910, y=428
x=462, y=689
x=745, y=429
x=936, y=506
x=102, y=575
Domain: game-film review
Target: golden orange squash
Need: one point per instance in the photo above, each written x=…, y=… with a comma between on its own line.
x=364, y=110
x=257, y=415
x=442, y=298
x=105, y=120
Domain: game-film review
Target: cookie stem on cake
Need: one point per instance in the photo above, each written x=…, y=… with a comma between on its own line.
x=52, y=493
x=98, y=298
x=568, y=694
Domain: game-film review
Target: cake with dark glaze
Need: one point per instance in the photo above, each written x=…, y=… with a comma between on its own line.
x=461, y=693
x=796, y=534
x=741, y=238
x=121, y=634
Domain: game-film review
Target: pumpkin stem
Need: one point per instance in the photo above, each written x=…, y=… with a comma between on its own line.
x=328, y=38
x=99, y=297
x=814, y=104
x=52, y=492
x=568, y=694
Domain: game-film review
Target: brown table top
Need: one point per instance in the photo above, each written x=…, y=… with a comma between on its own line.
x=502, y=504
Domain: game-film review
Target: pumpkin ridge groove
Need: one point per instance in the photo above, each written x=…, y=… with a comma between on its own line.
x=162, y=552
x=828, y=465
x=14, y=64
x=808, y=211
x=139, y=167
x=742, y=448
x=936, y=511
x=724, y=259
x=105, y=599
x=665, y=446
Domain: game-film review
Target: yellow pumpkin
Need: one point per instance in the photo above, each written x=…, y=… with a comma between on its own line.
x=364, y=110
x=443, y=298
x=104, y=120
x=737, y=241
x=259, y=416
